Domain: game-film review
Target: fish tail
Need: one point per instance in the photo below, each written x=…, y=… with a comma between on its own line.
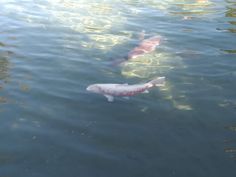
x=119, y=61
x=158, y=82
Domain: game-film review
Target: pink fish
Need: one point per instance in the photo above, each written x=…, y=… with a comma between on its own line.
x=144, y=47
x=124, y=90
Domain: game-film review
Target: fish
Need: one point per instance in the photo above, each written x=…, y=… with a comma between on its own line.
x=124, y=90
x=145, y=46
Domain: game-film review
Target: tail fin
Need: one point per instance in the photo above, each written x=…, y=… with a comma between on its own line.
x=158, y=82
x=120, y=61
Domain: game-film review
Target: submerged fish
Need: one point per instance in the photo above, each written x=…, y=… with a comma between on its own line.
x=124, y=90
x=144, y=47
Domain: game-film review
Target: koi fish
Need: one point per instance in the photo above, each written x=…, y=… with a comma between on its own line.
x=144, y=47
x=124, y=90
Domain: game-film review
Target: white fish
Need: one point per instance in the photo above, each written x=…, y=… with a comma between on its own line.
x=124, y=90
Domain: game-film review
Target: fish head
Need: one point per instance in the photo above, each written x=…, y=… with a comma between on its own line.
x=155, y=41
x=94, y=88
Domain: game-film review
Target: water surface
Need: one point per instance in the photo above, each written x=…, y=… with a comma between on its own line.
x=50, y=51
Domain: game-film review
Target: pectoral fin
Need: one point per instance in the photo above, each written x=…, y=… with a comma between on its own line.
x=109, y=98
x=145, y=91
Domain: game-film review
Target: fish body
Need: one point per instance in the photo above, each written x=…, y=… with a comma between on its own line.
x=124, y=90
x=145, y=46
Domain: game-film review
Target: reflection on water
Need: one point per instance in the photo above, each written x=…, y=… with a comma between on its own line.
x=230, y=144
x=231, y=19
x=91, y=18
x=230, y=51
x=192, y=8
x=4, y=74
x=231, y=14
x=146, y=66
x=5, y=54
x=104, y=42
x=231, y=9
x=4, y=66
x=232, y=128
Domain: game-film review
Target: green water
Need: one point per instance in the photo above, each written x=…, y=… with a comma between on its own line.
x=50, y=126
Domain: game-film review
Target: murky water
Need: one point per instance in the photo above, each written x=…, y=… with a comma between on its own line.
x=50, y=51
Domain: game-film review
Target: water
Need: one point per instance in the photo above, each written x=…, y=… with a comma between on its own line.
x=50, y=51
